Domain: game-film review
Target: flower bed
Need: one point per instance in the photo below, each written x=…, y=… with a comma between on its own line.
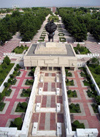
x=62, y=39
x=61, y=34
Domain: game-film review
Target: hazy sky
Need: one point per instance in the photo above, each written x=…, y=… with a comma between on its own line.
x=37, y=3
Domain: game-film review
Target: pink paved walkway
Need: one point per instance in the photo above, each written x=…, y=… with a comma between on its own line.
x=4, y=117
x=93, y=121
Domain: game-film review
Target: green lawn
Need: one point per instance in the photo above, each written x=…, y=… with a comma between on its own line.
x=5, y=72
x=96, y=76
x=81, y=50
x=19, y=50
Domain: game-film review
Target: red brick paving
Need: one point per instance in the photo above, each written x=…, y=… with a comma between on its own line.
x=60, y=118
x=53, y=86
x=4, y=117
x=42, y=121
x=46, y=74
x=45, y=88
x=40, y=85
x=92, y=120
x=59, y=99
x=44, y=101
x=53, y=104
x=53, y=74
x=58, y=85
x=35, y=117
x=38, y=99
x=52, y=121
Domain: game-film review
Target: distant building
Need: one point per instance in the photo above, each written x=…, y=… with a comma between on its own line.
x=20, y=10
x=53, y=9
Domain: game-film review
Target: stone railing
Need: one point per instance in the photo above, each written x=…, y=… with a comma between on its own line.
x=67, y=119
x=81, y=43
x=12, y=55
x=27, y=119
x=87, y=55
x=25, y=42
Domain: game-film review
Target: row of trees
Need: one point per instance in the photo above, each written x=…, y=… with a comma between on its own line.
x=80, y=21
x=27, y=23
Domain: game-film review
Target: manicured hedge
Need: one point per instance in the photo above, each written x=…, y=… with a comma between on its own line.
x=72, y=93
x=21, y=107
x=17, y=123
x=74, y=108
x=76, y=124
x=26, y=92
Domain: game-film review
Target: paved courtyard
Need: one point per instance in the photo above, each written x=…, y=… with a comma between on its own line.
x=87, y=115
x=48, y=117
x=9, y=113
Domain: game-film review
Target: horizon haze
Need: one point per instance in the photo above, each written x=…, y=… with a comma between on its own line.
x=49, y=3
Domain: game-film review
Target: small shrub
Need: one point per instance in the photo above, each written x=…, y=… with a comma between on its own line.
x=2, y=104
x=21, y=107
x=95, y=108
x=8, y=92
x=17, y=123
x=29, y=82
x=26, y=92
x=90, y=93
x=18, y=73
x=72, y=93
x=74, y=108
x=86, y=83
x=76, y=124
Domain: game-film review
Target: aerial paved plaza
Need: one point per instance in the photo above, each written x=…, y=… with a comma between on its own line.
x=49, y=88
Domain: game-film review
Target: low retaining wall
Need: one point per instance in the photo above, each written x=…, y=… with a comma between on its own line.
x=93, y=80
x=87, y=55
x=79, y=43
x=27, y=119
x=67, y=119
x=13, y=54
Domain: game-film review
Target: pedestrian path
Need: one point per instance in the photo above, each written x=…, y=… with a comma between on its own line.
x=13, y=100
x=87, y=115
